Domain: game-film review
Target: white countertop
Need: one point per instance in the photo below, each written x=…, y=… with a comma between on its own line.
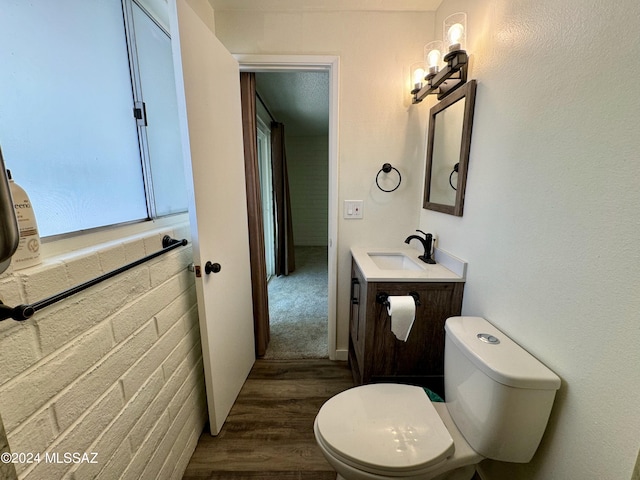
x=447, y=269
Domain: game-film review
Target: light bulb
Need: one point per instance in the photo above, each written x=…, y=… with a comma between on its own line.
x=433, y=58
x=455, y=33
x=454, y=29
x=418, y=77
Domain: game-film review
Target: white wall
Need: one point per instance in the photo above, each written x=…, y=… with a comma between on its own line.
x=308, y=169
x=376, y=123
x=551, y=223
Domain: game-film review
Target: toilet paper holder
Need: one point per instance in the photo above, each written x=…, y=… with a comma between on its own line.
x=383, y=298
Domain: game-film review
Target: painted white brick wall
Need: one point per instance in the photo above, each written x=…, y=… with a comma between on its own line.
x=115, y=369
x=7, y=470
x=308, y=168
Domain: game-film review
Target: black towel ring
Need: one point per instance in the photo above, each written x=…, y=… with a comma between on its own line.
x=386, y=168
x=455, y=170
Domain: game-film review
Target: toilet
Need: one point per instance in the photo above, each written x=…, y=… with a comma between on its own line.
x=498, y=402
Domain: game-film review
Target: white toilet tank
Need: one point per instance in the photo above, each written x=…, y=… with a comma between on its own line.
x=498, y=394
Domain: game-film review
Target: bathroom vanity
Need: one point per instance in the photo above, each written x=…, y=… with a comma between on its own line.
x=375, y=354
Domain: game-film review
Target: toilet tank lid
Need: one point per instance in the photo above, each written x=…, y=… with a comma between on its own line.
x=505, y=361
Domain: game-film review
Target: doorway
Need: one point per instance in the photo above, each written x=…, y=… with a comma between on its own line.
x=293, y=110
x=315, y=243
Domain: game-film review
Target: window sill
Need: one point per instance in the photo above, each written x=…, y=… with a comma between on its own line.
x=102, y=238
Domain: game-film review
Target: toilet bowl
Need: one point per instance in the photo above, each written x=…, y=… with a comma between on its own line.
x=498, y=402
x=385, y=431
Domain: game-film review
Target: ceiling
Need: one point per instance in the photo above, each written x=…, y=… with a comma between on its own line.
x=327, y=5
x=300, y=100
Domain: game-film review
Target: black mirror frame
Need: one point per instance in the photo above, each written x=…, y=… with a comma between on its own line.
x=467, y=91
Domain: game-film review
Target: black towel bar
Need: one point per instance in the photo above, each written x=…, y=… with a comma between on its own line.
x=24, y=312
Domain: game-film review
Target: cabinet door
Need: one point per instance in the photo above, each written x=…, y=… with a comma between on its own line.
x=423, y=352
x=355, y=309
x=357, y=323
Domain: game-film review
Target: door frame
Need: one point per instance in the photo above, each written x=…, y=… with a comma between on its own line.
x=319, y=63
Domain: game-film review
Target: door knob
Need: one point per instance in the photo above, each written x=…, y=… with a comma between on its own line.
x=212, y=268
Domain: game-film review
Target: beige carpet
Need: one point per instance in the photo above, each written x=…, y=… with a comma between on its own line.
x=298, y=308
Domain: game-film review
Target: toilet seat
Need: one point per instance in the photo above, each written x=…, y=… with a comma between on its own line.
x=384, y=429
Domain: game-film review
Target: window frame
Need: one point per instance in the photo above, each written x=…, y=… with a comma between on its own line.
x=143, y=142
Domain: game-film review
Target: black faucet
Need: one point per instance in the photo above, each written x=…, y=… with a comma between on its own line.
x=426, y=243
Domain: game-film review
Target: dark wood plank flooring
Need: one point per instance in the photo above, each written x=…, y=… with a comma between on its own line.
x=269, y=431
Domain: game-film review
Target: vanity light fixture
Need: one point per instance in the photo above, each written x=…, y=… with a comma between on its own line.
x=445, y=80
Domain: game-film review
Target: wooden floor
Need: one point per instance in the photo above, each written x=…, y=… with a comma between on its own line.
x=269, y=432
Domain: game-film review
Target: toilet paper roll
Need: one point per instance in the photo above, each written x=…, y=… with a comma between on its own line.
x=402, y=311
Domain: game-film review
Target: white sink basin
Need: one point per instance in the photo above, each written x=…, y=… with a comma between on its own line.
x=394, y=261
x=401, y=264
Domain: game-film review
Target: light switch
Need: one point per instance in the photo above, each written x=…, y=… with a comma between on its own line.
x=353, y=209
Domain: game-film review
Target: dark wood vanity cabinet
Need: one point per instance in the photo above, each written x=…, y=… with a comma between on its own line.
x=375, y=354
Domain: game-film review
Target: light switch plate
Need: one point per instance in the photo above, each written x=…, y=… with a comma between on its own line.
x=353, y=209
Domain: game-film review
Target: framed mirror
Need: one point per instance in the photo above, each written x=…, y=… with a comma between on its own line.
x=449, y=142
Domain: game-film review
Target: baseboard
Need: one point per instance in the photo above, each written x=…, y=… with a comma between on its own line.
x=341, y=355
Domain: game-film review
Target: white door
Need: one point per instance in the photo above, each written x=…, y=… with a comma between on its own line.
x=209, y=103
